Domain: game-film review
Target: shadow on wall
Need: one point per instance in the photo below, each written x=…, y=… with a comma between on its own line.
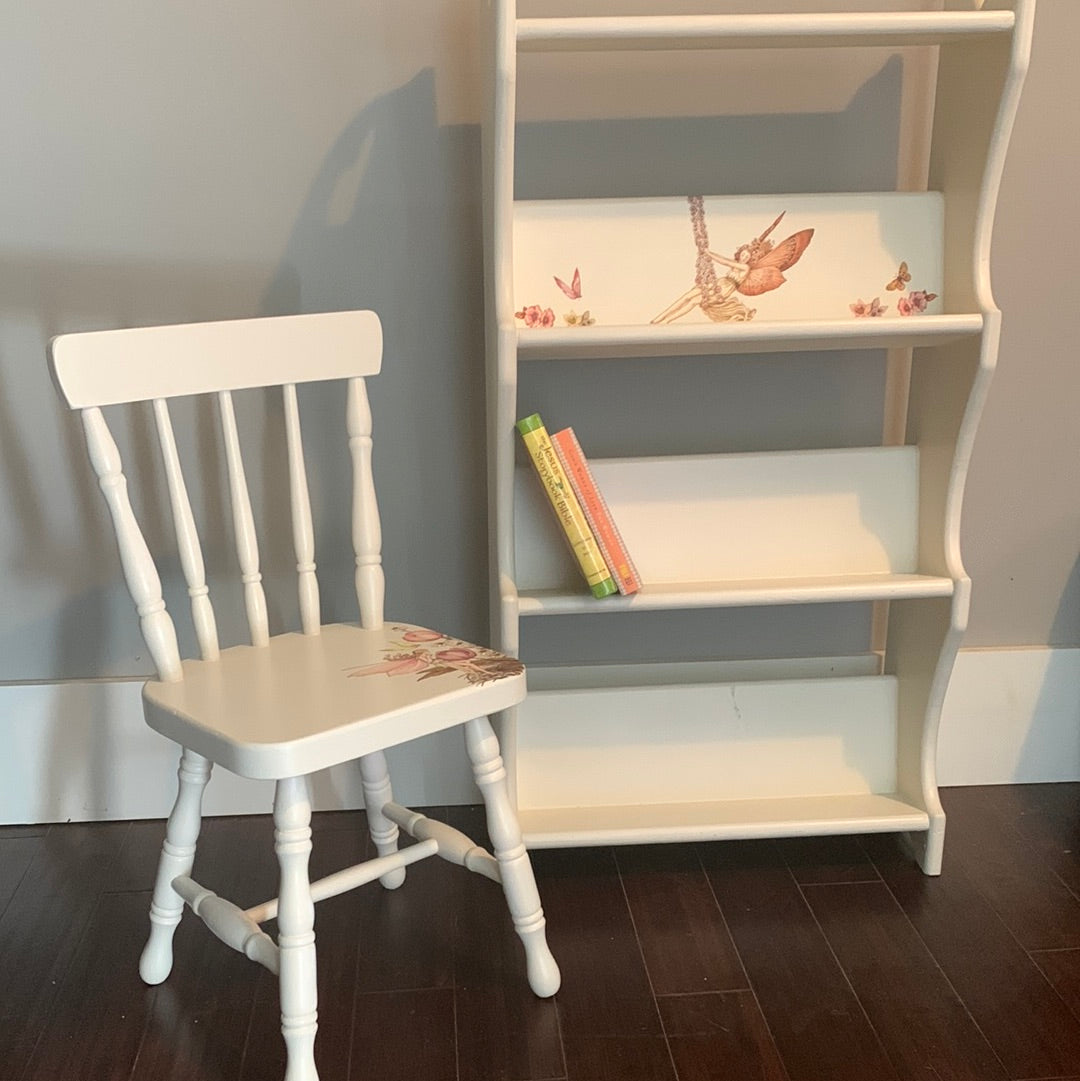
x=392, y=222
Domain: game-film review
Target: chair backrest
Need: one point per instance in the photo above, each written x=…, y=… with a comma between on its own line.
x=101, y=368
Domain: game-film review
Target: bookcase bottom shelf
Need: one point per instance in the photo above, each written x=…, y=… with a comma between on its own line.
x=667, y=759
x=720, y=820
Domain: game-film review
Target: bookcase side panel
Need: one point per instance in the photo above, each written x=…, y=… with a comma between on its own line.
x=978, y=91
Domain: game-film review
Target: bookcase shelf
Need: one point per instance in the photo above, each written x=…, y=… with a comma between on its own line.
x=654, y=748
x=836, y=589
x=720, y=820
x=713, y=339
x=767, y=31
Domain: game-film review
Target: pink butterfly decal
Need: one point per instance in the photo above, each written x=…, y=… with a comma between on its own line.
x=573, y=290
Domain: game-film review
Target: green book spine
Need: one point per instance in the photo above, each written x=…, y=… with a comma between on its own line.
x=567, y=509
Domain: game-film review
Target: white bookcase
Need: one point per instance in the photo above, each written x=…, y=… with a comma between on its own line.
x=693, y=744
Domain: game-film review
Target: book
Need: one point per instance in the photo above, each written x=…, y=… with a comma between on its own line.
x=564, y=503
x=597, y=512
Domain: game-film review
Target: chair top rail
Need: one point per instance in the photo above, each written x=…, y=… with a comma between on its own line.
x=108, y=367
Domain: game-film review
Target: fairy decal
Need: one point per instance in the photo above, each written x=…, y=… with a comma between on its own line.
x=757, y=267
x=426, y=654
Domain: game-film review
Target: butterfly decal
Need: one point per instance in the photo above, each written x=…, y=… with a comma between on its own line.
x=573, y=290
x=767, y=261
x=901, y=279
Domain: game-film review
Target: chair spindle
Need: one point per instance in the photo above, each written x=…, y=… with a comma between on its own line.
x=247, y=547
x=141, y=575
x=187, y=537
x=366, y=530
x=303, y=530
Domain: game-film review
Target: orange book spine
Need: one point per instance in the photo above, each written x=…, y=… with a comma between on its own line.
x=597, y=512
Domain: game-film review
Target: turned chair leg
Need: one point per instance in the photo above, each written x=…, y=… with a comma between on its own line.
x=377, y=794
x=519, y=884
x=177, y=858
x=296, y=928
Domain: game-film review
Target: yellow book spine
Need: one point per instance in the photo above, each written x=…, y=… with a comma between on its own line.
x=566, y=506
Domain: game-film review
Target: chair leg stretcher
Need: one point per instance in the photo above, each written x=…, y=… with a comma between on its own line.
x=453, y=845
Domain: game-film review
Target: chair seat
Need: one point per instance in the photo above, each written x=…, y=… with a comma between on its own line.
x=305, y=702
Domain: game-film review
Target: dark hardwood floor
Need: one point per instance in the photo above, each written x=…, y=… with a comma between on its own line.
x=801, y=960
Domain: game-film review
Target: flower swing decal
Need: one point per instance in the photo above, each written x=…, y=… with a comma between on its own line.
x=757, y=267
x=426, y=654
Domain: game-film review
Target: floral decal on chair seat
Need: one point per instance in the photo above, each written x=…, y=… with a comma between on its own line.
x=425, y=654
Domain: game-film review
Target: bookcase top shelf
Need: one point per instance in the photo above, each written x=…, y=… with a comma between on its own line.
x=777, y=336
x=758, y=31
x=704, y=273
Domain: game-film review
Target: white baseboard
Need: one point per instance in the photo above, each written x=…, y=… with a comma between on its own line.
x=1011, y=716
x=79, y=751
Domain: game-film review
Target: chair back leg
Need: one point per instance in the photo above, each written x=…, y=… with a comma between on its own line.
x=296, y=927
x=377, y=794
x=177, y=858
x=518, y=881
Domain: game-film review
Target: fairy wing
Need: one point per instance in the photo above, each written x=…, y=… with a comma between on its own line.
x=766, y=273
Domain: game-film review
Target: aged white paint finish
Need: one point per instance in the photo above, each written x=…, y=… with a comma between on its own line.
x=289, y=706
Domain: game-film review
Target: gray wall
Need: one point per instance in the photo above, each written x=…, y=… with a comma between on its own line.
x=191, y=161
x=1021, y=531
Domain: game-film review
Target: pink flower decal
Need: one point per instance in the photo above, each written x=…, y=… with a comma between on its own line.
x=420, y=635
x=456, y=654
x=915, y=302
x=535, y=316
x=394, y=666
x=867, y=309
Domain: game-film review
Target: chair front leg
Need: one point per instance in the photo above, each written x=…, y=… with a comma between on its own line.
x=296, y=927
x=177, y=858
x=515, y=868
x=375, y=777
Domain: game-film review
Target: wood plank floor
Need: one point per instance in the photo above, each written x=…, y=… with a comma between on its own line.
x=804, y=960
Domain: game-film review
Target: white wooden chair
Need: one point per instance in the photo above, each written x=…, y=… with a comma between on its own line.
x=288, y=705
